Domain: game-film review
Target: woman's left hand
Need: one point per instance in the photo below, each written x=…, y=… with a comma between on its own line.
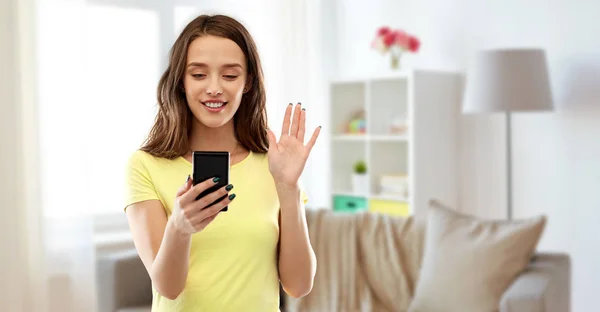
x=288, y=156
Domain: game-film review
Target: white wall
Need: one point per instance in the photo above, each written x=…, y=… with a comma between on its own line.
x=555, y=155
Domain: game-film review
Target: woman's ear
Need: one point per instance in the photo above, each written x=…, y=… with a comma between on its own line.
x=248, y=85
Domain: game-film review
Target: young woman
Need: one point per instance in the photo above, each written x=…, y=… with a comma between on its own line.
x=212, y=98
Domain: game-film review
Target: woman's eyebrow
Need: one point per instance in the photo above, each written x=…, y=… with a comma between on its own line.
x=198, y=64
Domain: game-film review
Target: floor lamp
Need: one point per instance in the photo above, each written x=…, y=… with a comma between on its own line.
x=507, y=81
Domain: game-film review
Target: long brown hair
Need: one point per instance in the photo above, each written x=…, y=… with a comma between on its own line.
x=169, y=136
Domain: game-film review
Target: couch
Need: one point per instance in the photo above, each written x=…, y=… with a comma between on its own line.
x=543, y=286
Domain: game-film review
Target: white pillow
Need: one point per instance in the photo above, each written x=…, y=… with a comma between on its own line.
x=468, y=263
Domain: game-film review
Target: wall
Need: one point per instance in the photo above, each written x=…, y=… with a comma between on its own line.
x=555, y=155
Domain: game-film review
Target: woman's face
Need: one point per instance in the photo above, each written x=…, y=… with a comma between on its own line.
x=214, y=80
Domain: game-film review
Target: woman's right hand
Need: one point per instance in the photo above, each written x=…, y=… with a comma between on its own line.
x=190, y=215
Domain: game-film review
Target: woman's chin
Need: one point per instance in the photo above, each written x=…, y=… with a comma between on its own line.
x=214, y=121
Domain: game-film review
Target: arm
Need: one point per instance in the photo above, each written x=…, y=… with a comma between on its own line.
x=164, y=244
x=543, y=286
x=297, y=261
x=163, y=250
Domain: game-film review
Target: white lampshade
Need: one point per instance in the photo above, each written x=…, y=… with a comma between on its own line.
x=508, y=80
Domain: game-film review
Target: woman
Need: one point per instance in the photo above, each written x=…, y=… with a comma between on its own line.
x=212, y=98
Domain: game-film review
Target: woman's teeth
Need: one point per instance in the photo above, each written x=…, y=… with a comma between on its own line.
x=214, y=105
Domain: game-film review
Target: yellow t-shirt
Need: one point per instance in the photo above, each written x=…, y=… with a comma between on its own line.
x=233, y=261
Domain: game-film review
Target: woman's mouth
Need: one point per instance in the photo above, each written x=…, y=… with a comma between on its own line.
x=214, y=106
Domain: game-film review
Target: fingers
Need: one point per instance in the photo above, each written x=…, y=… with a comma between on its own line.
x=185, y=187
x=195, y=190
x=302, y=125
x=212, y=210
x=272, y=139
x=296, y=120
x=285, y=129
x=210, y=198
x=313, y=139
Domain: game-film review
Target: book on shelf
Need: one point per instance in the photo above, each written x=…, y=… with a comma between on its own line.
x=393, y=185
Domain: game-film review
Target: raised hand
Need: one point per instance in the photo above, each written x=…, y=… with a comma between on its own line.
x=288, y=156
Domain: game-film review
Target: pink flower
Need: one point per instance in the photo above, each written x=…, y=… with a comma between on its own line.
x=413, y=44
x=401, y=38
x=383, y=31
x=378, y=45
x=389, y=39
x=394, y=39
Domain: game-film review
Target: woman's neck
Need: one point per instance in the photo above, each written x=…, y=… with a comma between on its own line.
x=203, y=138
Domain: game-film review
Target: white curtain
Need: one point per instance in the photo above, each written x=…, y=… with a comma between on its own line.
x=67, y=188
x=22, y=251
x=47, y=260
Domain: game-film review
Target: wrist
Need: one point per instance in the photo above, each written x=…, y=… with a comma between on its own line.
x=289, y=194
x=176, y=231
x=286, y=187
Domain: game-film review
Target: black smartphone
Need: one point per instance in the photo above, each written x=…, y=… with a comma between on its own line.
x=207, y=165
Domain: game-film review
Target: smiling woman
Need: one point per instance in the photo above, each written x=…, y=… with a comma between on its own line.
x=212, y=98
x=215, y=77
x=213, y=59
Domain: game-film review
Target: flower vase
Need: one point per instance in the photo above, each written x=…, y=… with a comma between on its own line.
x=395, y=64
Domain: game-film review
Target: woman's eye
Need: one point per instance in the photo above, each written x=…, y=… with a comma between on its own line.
x=198, y=75
x=230, y=76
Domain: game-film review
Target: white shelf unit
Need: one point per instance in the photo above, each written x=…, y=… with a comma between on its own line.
x=426, y=153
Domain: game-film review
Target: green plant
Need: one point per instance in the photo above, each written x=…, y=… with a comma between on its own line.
x=360, y=167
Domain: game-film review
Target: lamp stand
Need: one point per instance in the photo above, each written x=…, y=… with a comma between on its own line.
x=509, y=208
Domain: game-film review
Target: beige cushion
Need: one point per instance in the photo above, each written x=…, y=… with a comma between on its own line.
x=468, y=263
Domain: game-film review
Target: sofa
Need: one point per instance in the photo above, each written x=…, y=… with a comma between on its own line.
x=124, y=285
x=543, y=285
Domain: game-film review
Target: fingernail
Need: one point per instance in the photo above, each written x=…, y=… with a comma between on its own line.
x=320, y=127
x=229, y=187
x=188, y=178
x=304, y=109
x=231, y=197
x=299, y=103
x=291, y=104
x=216, y=179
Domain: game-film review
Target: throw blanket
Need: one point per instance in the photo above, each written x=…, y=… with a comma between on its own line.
x=365, y=262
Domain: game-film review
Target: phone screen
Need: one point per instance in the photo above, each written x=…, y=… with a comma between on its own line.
x=207, y=165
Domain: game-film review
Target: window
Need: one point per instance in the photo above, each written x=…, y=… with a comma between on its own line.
x=99, y=66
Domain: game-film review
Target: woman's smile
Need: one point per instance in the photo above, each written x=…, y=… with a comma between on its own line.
x=214, y=105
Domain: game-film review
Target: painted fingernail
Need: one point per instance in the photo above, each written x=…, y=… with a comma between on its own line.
x=304, y=109
x=320, y=127
x=290, y=104
x=299, y=103
x=188, y=178
x=229, y=187
x=216, y=179
x=231, y=197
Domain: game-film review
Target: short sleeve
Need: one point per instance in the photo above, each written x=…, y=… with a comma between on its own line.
x=304, y=196
x=138, y=185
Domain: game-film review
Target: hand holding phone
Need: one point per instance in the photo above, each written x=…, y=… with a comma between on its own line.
x=190, y=215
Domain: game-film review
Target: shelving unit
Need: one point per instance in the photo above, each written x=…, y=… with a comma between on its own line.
x=428, y=101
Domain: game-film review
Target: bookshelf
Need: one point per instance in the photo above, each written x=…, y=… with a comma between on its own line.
x=422, y=106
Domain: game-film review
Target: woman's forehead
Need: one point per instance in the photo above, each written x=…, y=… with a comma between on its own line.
x=214, y=51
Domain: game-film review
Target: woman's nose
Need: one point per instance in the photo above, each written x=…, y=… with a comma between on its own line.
x=214, y=87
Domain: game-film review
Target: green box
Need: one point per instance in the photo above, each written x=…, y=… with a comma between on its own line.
x=345, y=203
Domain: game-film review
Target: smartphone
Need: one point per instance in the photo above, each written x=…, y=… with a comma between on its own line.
x=207, y=165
